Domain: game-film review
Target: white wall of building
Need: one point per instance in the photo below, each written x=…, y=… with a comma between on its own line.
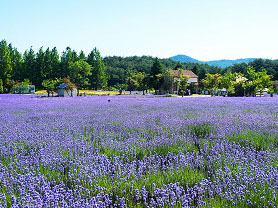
x=190, y=80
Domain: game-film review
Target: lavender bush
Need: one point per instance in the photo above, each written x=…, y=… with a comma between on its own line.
x=138, y=152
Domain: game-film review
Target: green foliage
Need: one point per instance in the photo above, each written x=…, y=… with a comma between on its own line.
x=170, y=95
x=121, y=87
x=40, y=70
x=212, y=82
x=116, y=76
x=132, y=83
x=258, y=141
x=178, y=66
x=142, y=80
x=21, y=87
x=182, y=83
x=5, y=63
x=98, y=78
x=228, y=82
x=201, y=130
x=263, y=81
x=156, y=75
x=51, y=86
x=256, y=81
x=190, y=116
x=82, y=56
x=167, y=82
x=79, y=73
x=29, y=65
x=185, y=175
x=147, y=72
x=17, y=65
x=67, y=57
x=1, y=87
x=271, y=91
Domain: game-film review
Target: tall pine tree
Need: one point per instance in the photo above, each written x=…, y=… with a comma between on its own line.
x=67, y=56
x=29, y=64
x=5, y=64
x=39, y=73
x=98, y=79
x=55, y=68
x=17, y=64
x=156, y=75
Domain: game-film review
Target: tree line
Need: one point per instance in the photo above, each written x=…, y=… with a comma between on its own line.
x=239, y=84
x=46, y=69
x=46, y=66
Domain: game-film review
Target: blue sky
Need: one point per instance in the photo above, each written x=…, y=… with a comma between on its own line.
x=202, y=29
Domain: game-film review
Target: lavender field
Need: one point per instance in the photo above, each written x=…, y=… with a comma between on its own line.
x=138, y=152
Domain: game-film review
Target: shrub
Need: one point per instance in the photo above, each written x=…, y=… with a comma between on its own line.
x=21, y=87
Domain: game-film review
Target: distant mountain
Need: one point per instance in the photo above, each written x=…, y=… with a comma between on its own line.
x=185, y=59
x=218, y=63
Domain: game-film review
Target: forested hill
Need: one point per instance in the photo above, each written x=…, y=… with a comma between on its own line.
x=217, y=63
x=119, y=68
x=92, y=71
x=136, y=63
x=144, y=63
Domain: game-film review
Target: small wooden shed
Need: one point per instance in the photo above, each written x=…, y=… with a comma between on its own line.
x=32, y=89
x=63, y=91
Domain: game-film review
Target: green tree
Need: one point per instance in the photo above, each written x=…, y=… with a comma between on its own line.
x=29, y=64
x=98, y=78
x=40, y=72
x=178, y=66
x=82, y=56
x=263, y=81
x=156, y=75
x=142, y=81
x=195, y=70
x=68, y=56
x=202, y=73
x=1, y=87
x=250, y=84
x=228, y=82
x=271, y=91
x=46, y=72
x=79, y=73
x=256, y=81
x=132, y=83
x=55, y=68
x=17, y=64
x=51, y=85
x=212, y=82
x=182, y=83
x=5, y=63
x=167, y=82
x=116, y=76
x=121, y=87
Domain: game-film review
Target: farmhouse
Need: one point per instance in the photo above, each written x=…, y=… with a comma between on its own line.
x=193, y=78
x=63, y=91
x=192, y=81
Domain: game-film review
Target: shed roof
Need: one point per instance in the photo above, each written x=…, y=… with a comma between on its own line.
x=189, y=73
x=63, y=86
